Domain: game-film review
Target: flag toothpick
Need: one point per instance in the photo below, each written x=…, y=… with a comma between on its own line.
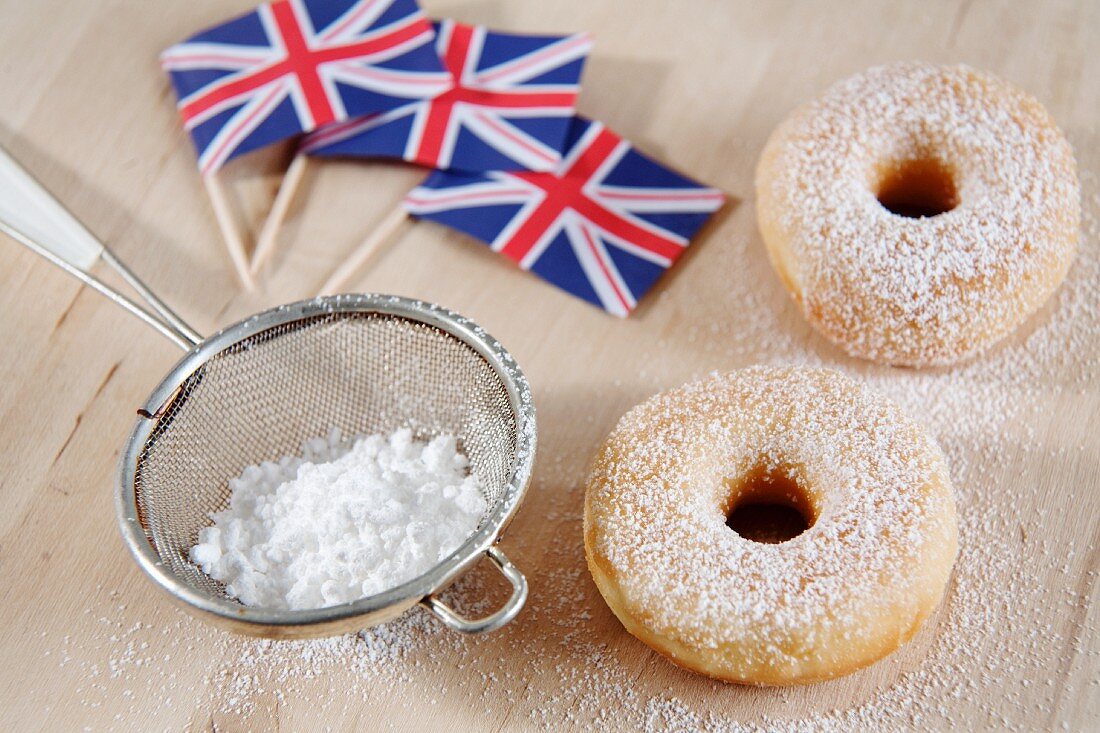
x=604, y=226
x=510, y=108
x=288, y=67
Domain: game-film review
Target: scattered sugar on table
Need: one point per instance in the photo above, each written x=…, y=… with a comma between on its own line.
x=982, y=412
x=341, y=522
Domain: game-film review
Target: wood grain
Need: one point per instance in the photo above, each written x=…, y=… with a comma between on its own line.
x=699, y=84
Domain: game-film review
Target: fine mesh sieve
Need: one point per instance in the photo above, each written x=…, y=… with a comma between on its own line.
x=259, y=389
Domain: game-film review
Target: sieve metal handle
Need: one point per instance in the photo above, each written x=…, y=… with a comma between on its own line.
x=25, y=207
x=30, y=215
x=498, y=618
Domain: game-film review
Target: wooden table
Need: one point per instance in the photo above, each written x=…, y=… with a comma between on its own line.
x=87, y=640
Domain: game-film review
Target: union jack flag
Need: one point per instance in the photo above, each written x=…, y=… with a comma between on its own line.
x=510, y=107
x=604, y=225
x=291, y=66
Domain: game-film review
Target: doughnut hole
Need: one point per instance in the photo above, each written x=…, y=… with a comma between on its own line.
x=768, y=505
x=917, y=188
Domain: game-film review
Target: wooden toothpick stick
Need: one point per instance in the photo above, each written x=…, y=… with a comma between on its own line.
x=269, y=234
x=234, y=242
x=383, y=232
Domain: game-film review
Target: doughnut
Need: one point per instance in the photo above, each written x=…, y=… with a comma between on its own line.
x=917, y=214
x=858, y=582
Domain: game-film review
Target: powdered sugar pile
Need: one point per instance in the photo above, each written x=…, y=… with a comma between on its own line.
x=340, y=523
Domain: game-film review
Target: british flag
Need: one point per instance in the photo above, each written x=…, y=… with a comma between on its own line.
x=291, y=66
x=510, y=106
x=604, y=225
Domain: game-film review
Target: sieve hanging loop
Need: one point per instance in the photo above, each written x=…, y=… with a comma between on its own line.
x=497, y=618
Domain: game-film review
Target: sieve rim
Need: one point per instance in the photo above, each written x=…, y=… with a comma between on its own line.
x=370, y=609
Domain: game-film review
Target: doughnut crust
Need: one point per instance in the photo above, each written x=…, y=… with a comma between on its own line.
x=919, y=291
x=849, y=590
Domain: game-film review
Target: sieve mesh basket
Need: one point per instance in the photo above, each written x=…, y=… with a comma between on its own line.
x=259, y=389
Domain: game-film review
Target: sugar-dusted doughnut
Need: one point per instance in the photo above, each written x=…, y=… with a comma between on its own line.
x=917, y=213
x=872, y=565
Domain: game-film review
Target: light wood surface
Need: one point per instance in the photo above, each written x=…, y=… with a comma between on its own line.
x=87, y=640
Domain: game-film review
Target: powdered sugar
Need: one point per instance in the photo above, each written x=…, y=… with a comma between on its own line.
x=341, y=522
